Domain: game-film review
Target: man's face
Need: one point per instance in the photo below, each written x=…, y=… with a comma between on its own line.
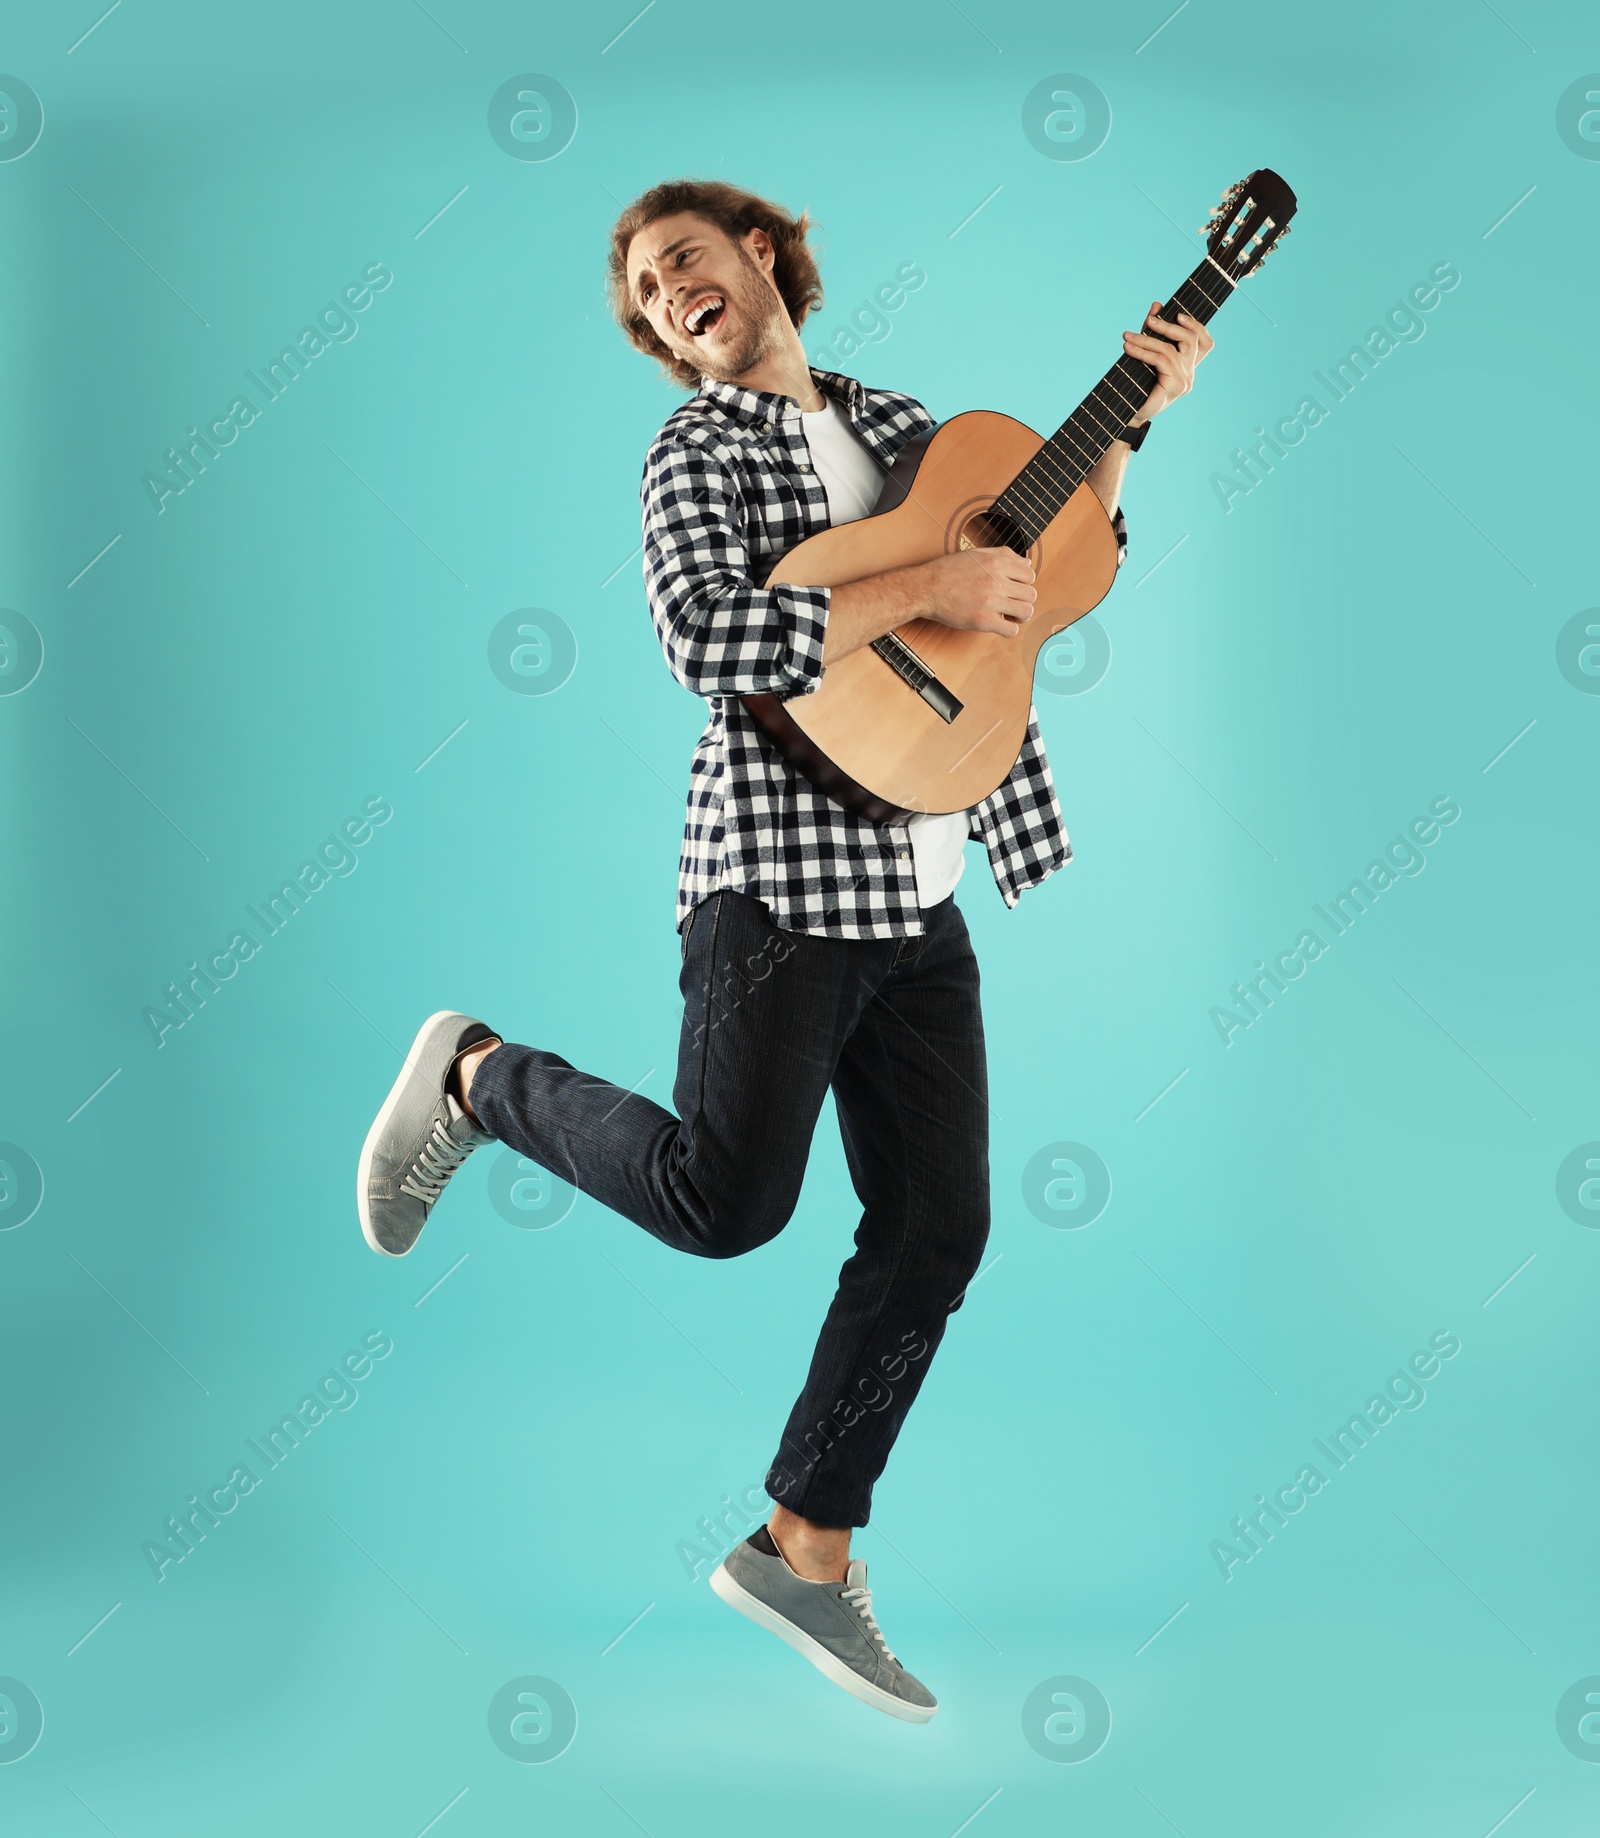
x=709, y=299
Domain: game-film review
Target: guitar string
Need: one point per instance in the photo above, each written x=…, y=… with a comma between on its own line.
x=1048, y=478
x=1039, y=491
x=1069, y=433
x=1055, y=472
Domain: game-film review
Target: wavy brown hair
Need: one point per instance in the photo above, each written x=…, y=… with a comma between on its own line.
x=733, y=211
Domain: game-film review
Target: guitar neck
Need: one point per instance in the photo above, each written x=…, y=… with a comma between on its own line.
x=1032, y=499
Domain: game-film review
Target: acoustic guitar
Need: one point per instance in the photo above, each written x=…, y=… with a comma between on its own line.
x=931, y=717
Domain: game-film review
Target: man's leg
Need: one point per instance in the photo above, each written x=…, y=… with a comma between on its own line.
x=912, y=1095
x=765, y=1015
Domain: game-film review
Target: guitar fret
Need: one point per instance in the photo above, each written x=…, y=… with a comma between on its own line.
x=1063, y=466
x=1056, y=480
x=1033, y=530
x=1081, y=459
x=1135, y=401
x=1096, y=417
x=1116, y=424
x=1028, y=483
x=1076, y=466
x=1089, y=437
x=1063, y=475
x=1083, y=428
x=1210, y=304
x=1011, y=505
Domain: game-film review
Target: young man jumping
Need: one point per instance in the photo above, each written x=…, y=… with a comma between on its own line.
x=820, y=950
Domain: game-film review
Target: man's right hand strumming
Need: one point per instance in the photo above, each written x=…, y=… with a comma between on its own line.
x=977, y=590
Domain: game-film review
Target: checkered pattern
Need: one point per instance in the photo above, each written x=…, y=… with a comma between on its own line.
x=728, y=487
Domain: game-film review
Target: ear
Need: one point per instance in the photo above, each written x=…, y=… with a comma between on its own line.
x=758, y=246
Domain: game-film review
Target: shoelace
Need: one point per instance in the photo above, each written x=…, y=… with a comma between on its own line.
x=860, y=1599
x=440, y=1157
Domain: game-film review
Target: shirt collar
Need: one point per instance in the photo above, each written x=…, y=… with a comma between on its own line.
x=766, y=406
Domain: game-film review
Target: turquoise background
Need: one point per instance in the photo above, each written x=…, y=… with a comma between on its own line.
x=1367, y=1165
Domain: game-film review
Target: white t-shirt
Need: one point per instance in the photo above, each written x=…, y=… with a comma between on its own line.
x=853, y=479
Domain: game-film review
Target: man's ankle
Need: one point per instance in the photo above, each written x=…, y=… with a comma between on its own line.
x=462, y=1072
x=819, y=1553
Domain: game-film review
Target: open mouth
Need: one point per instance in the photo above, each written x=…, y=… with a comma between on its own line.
x=704, y=315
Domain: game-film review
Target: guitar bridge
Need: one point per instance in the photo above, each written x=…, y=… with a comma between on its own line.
x=905, y=663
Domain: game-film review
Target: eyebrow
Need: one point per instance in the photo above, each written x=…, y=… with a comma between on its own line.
x=662, y=257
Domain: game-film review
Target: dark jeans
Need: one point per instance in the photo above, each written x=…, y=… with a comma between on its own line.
x=771, y=1019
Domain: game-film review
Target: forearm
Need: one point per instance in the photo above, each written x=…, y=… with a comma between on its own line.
x=1105, y=476
x=860, y=611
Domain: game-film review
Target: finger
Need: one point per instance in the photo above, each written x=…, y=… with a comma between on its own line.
x=1160, y=347
x=1158, y=356
x=1185, y=336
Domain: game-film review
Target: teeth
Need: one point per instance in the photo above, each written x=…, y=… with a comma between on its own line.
x=697, y=317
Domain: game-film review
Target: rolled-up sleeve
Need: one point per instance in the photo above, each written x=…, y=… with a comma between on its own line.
x=722, y=634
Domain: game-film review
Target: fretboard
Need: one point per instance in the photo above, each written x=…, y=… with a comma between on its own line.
x=1029, y=503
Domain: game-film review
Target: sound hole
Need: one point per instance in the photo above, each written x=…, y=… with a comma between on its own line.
x=992, y=529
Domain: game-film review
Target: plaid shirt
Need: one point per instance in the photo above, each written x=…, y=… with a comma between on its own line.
x=729, y=486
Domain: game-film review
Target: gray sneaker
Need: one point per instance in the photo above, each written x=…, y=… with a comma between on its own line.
x=830, y=1623
x=419, y=1138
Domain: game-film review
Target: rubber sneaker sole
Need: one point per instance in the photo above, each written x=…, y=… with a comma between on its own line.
x=737, y=1596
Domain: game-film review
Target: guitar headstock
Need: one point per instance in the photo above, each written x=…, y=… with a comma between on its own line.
x=1249, y=222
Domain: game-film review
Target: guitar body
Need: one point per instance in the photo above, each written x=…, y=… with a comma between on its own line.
x=867, y=736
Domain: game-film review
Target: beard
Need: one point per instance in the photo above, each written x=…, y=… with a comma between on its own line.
x=756, y=312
